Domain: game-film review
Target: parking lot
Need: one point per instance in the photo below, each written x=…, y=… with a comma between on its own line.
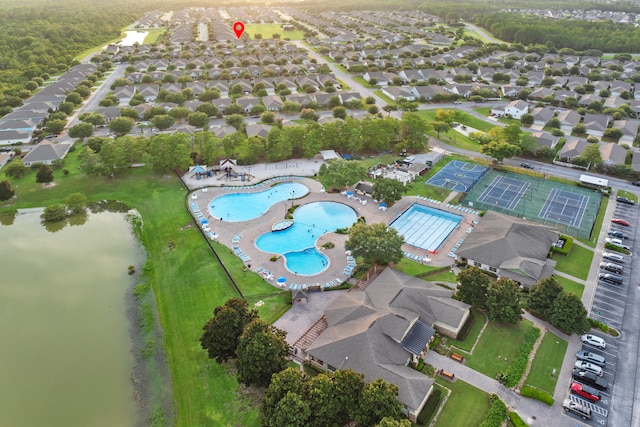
x=608, y=307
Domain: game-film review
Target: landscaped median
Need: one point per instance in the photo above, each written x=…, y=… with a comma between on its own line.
x=547, y=363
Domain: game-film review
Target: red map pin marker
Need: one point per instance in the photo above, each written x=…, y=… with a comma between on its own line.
x=238, y=28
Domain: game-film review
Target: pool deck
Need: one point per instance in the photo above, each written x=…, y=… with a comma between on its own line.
x=244, y=234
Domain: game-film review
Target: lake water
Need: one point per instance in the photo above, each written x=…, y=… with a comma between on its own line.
x=66, y=350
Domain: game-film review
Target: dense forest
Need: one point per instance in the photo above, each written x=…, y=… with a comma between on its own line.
x=577, y=35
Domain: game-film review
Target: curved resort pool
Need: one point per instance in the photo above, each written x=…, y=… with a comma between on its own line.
x=246, y=206
x=297, y=243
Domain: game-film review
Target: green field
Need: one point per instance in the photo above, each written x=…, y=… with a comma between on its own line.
x=549, y=356
x=479, y=321
x=467, y=405
x=577, y=263
x=497, y=347
x=187, y=283
x=268, y=30
x=570, y=286
x=629, y=195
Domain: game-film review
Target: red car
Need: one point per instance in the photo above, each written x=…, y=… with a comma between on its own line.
x=620, y=221
x=585, y=391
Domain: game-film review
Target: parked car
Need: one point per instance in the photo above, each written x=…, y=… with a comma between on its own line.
x=587, y=356
x=625, y=200
x=526, y=165
x=611, y=278
x=588, y=366
x=612, y=267
x=577, y=408
x=593, y=340
x=585, y=391
x=612, y=256
x=620, y=221
x=590, y=378
x=617, y=242
x=618, y=234
x=636, y=183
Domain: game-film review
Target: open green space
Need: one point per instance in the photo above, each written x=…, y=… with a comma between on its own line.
x=363, y=82
x=570, y=286
x=629, y=195
x=413, y=268
x=577, y=263
x=548, y=359
x=497, y=347
x=186, y=279
x=384, y=97
x=466, y=406
x=478, y=320
x=268, y=30
x=154, y=34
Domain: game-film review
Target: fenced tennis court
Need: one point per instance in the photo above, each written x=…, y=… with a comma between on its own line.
x=458, y=176
x=504, y=192
x=570, y=209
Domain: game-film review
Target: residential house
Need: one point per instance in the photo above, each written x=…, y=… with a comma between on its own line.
x=397, y=93
x=635, y=161
x=379, y=330
x=8, y=137
x=510, y=247
x=612, y=154
x=46, y=153
x=572, y=149
x=124, y=94
x=258, y=130
x=542, y=115
x=248, y=102
x=149, y=92
x=629, y=130
x=272, y=102
x=516, y=109
x=596, y=124
x=545, y=139
x=589, y=98
x=426, y=93
x=568, y=120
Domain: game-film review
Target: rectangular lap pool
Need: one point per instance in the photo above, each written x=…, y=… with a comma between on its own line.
x=425, y=228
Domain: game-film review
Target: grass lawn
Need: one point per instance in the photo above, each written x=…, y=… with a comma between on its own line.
x=187, y=283
x=154, y=34
x=384, y=97
x=478, y=322
x=413, y=268
x=267, y=30
x=570, y=286
x=629, y=195
x=577, y=263
x=362, y=81
x=549, y=356
x=385, y=159
x=498, y=347
x=467, y=405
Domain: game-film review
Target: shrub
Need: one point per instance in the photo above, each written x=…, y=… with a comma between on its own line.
x=519, y=365
x=497, y=413
x=567, y=245
x=430, y=407
x=516, y=420
x=329, y=245
x=536, y=393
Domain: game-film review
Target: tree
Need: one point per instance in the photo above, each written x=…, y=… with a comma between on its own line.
x=287, y=381
x=77, y=203
x=44, y=174
x=235, y=120
x=378, y=400
x=337, y=174
x=499, y=149
x=349, y=386
x=81, y=130
x=163, y=121
x=54, y=213
x=222, y=331
x=376, y=243
x=388, y=190
x=413, y=132
x=198, y=119
x=268, y=117
x=292, y=410
x=6, y=192
x=569, y=315
x=591, y=155
x=542, y=296
x=262, y=351
x=55, y=126
x=446, y=116
x=527, y=119
x=440, y=126
x=503, y=301
x=309, y=114
x=339, y=112
x=15, y=169
x=473, y=287
x=121, y=125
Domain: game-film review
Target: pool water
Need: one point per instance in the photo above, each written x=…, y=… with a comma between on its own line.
x=425, y=227
x=246, y=206
x=297, y=243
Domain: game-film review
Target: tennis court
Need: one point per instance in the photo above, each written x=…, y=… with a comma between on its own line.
x=458, y=176
x=565, y=207
x=504, y=192
x=569, y=208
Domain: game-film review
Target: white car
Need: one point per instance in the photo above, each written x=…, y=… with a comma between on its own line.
x=586, y=366
x=593, y=340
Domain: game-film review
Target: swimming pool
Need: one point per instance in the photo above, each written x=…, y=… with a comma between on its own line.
x=297, y=243
x=425, y=227
x=245, y=206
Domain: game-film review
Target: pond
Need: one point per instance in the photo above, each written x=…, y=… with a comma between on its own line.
x=66, y=350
